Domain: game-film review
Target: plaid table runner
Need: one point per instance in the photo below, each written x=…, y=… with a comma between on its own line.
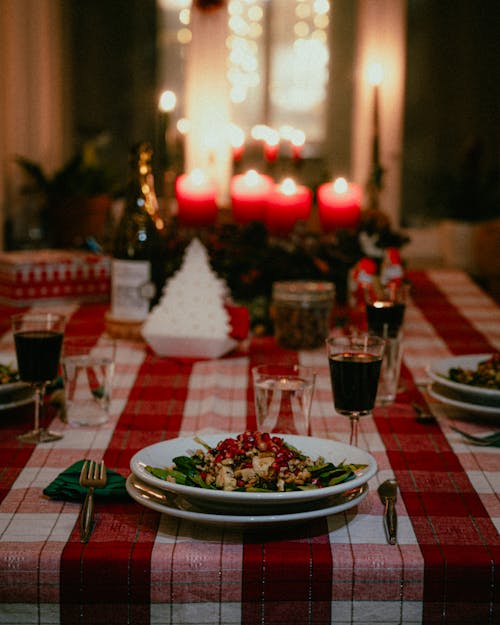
x=143, y=567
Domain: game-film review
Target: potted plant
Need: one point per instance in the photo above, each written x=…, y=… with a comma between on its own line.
x=76, y=199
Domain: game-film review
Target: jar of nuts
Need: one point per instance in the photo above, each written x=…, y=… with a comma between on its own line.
x=301, y=311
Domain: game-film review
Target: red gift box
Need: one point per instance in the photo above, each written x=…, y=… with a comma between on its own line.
x=48, y=276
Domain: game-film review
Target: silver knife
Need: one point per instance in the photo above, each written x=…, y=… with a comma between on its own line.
x=388, y=492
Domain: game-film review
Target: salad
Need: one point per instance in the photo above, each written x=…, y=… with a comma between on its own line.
x=8, y=374
x=486, y=374
x=254, y=462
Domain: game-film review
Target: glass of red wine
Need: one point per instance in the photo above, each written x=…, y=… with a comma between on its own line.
x=355, y=362
x=38, y=339
x=385, y=309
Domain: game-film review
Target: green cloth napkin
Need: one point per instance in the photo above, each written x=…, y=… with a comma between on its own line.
x=67, y=485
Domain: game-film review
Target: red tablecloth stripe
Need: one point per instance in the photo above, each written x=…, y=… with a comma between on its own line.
x=126, y=531
x=459, y=334
x=268, y=577
x=435, y=489
x=447, y=585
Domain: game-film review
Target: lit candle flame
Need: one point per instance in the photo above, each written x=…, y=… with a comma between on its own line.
x=258, y=132
x=272, y=137
x=298, y=138
x=288, y=186
x=340, y=185
x=197, y=177
x=168, y=100
x=251, y=178
x=236, y=136
x=375, y=74
x=183, y=126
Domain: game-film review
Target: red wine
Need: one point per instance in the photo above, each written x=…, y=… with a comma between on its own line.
x=38, y=353
x=385, y=313
x=354, y=381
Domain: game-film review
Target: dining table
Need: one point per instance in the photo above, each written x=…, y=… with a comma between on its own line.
x=143, y=565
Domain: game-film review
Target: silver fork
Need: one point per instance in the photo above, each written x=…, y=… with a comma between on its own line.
x=93, y=475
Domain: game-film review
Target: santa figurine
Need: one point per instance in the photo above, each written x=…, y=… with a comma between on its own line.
x=363, y=279
x=392, y=272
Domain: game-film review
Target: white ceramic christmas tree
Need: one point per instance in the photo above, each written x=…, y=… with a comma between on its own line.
x=190, y=319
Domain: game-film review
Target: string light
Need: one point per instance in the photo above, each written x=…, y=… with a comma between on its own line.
x=245, y=29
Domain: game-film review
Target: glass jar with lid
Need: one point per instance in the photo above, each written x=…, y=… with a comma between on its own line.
x=302, y=311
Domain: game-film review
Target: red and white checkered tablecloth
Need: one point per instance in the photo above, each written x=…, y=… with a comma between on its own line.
x=142, y=567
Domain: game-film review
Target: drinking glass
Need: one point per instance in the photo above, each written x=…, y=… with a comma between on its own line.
x=355, y=362
x=385, y=309
x=389, y=373
x=38, y=339
x=283, y=396
x=87, y=369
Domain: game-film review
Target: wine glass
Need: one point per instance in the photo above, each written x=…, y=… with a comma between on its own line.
x=38, y=339
x=385, y=309
x=355, y=362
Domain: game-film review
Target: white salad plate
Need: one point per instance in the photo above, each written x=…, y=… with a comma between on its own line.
x=162, y=454
x=15, y=397
x=450, y=397
x=180, y=508
x=439, y=371
x=13, y=394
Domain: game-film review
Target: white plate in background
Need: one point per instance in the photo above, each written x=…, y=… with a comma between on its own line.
x=439, y=372
x=450, y=397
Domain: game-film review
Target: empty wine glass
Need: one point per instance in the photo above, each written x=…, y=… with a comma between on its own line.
x=38, y=339
x=355, y=362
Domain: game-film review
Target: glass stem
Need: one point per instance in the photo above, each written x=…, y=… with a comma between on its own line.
x=39, y=393
x=353, y=440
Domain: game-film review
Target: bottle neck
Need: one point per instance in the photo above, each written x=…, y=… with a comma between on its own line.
x=141, y=194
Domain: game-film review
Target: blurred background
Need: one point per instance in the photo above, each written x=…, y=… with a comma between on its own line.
x=88, y=76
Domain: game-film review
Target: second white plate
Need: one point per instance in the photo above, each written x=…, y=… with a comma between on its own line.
x=439, y=371
x=450, y=397
x=178, y=507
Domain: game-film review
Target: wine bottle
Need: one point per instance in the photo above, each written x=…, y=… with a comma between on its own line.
x=137, y=273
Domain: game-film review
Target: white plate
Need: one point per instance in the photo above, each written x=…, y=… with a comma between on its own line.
x=177, y=506
x=451, y=397
x=19, y=396
x=439, y=372
x=162, y=455
x=13, y=394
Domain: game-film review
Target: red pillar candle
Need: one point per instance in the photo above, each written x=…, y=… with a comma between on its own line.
x=339, y=204
x=297, y=142
x=249, y=196
x=196, y=199
x=271, y=145
x=288, y=203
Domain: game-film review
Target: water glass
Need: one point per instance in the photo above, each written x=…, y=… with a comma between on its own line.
x=283, y=397
x=88, y=371
x=390, y=370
